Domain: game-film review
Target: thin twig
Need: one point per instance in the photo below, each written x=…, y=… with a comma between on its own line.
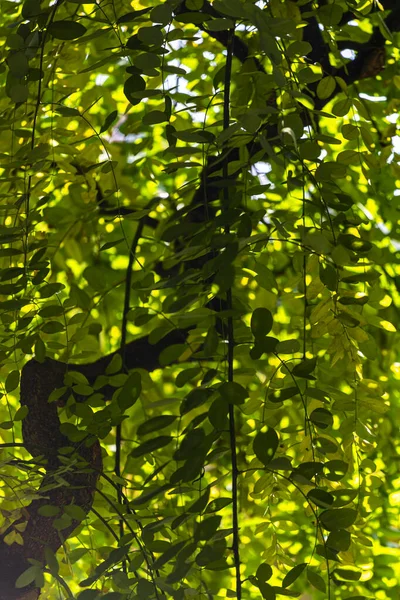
x=128, y=283
x=231, y=341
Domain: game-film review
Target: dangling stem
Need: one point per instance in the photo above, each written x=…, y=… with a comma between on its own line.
x=231, y=342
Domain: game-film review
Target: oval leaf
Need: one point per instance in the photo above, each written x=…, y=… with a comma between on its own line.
x=66, y=30
x=265, y=445
x=261, y=322
x=151, y=445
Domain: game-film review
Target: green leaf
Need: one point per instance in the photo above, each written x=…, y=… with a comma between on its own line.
x=309, y=150
x=54, y=310
x=317, y=240
x=305, y=368
x=51, y=327
x=155, y=424
x=75, y=511
x=132, y=15
x=48, y=510
x=162, y=14
x=171, y=354
x=200, y=504
x=267, y=591
x=66, y=111
x=340, y=518
x=264, y=572
x=109, y=121
x=322, y=418
x=18, y=64
x=218, y=504
x=261, y=322
x=21, y=413
x=115, y=364
x=154, y=117
x=218, y=414
x=339, y=540
x=151, y=36
x=316, y=580
x=330, y=15
x=348, y=574
x=233, y=392
x=207, y=528
x=66, y=30
x=132, y=85
x=344, y=496
x=88, y=595
x=293, y=574
x=151, y=445
x=326, y=87
x=211, y=342
x=19, y=93
x=263, y=345
x=335, y=470
x=219, y=24
x=287, y=347
x=194, y=399
x=320, y=498
x=12, y=381
x=342, y=107
x=283, y=394
x=130, y=391
x=168, y=555
x=329, y=277
x=186, y=375
x=28, y=577
x=51, y=560
x=265, y=445
x=149, y=494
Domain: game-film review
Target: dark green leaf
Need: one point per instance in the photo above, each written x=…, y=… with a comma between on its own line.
x=320, y=498
x=322, y=418
x=283, y=394
x=66, y=30
x=233, y=393
x=267, y=591
x=293, y=574
x=168, y=555
x=305, y=368
x=339, y=540
x=316, y=580
x=207, y=527
x=339, y=518
x=218, y=504
x=265, y=445
x=335, y=470
x=12, y=381
x=261, y=322
x=264, y=572
x=200, y=504
x=348, y=574
x=151, y=445
x=287, y=347
x=134, y=84
x=109, y=121
x=155, y=424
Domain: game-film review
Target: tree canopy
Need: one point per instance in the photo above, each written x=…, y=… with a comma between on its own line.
x=199, y=281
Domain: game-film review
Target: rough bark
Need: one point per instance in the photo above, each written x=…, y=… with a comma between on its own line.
x=42, y=438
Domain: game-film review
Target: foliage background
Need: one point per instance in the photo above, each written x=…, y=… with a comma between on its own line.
x=110, y=113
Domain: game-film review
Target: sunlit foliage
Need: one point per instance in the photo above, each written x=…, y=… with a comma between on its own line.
x=265, y=194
